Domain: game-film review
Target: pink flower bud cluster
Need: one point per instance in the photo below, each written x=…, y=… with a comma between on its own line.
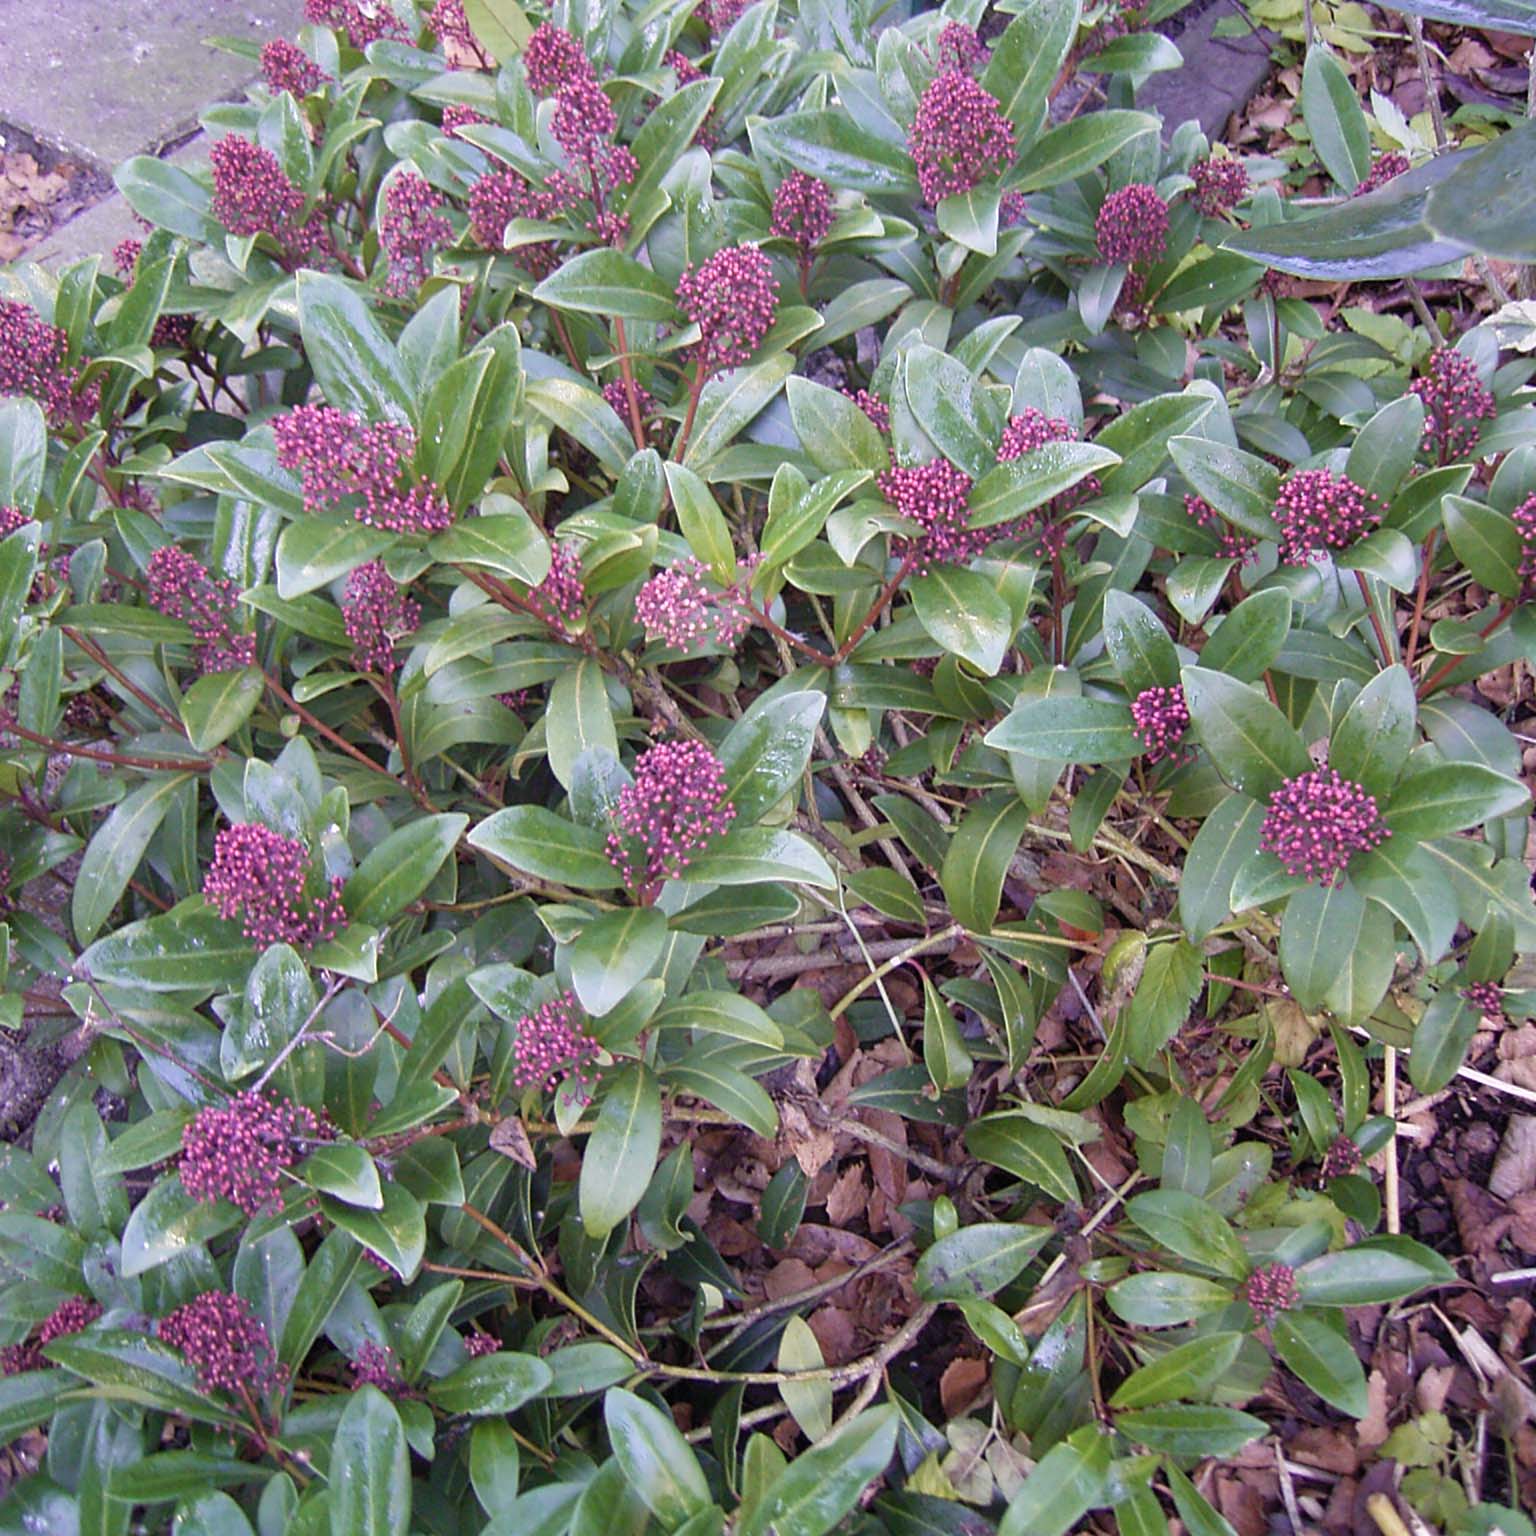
x=936, y=496
x=680, y=607
x=670, y=814
x=495, y=200
x=1455, y=401
x=1388, y=167
x=12, y=518
x=551, y=58
x=376, y=612
x=1270, y=1290
x=344, y=461
x=1220, y=184
x=553, y=1046
x=375, y=1366
x=687, y=72
x=1160, y=718
x=618, y=400
x=267, y=880
x=584, y=123
x=170, y=330
x=1342, y=1157
x=223, y=1339
x=1317, y=822
x=449, y=23
x=179, y=586
x=1024, y=434
x=286, y=67
x=1320, y=511
x=32, y=362
x=361, y=22
x=456, y=117
x=253, y=196
x=1486, y=998
x=872, y=406
x=560, y=597
x=733, y=298
x=802, y=212
x=961, y=48
x=1132, y=226
x=239, y=1151
x=69, y=1317
x=1524, y=517
x=477, y=1345
x=1011, y=209
x=721, y=15
x=412, y=229
x=958, y=138
x=1231, y=543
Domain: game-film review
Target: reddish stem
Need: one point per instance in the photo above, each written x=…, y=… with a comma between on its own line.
x=631, y=394
x=116, y=759
x=1434, y=679
x=695, y=389
x=1375, y=618
x=1430, y=546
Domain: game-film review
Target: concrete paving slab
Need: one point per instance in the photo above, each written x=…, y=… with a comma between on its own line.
x=1219, y=76
x=109, y=80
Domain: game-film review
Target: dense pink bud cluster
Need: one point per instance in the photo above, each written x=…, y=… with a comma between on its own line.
x=721, y=15
x=32, y=362
x=375, y=1366
x=679, y=607
x=1132, y=226
x=584, y=119
x=267, y=881
x=553, y=1046
x=1388, y=167
x=1486, y=997
x=1012, y=208
x=551, y=58
x=125, y=255
x=376, y=612
x=560, y=597
x=618, y=399
x=1320, y=511
x=12, y=518
x=1342, y=1157
x=456, y=117
x=1524, y=517
x=238, y=1151
x=1455, y=401
x=802, y=212
x=69, y=1317
x=181, y=587
x=362, y=22
x=286, y=67
x=733, y=298
x=670, y=814
x=253, y=196
x=1160, y=718
x=477, y=1345
x=958, y=138
x=344, y=461
x=170, y=330
x=936, y=496
x=1220, y=184
x=961, y=48
x=412, y=228
x=448, y=21
x=1025, y=433
x=687, y=72
x=872, y=406
x=223, y=1339
x=1270, y=1290
x=1317, y=822
x=495, y=200
x=1231, y=543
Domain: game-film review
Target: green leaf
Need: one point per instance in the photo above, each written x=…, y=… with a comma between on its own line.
x=500, y=27
x=1254, y=747
x=1026, y=60
x=977, y=1260
x=355, y=365
x=1071, y=729
x=1142, y=436
x=326, y=1277
x=396, y=1232
x=1191, y=1429
x=1383, y=453
x=614, y=954
x=370, y=1471
x=727, y=1014
x=216, y=706
x=314, y=552
x=129, y=1367
x=978, y=856
x=1064, y=153
x=1186, y=1370
x=346, y=1172
x=508, y=543
x=702, y=523
x=1187, y=1226
x=970, y=219
x=1486, y=542
x=167, y=196
x=1027, y=1151
x=23, y=451
x=964, y=612
x=1376, y=1269
x=27, y=1400
x=1329, y=106
x=727, y=1088
x=658, y=1463
x=1247, y=642
x=620, y=1154
x=497, y=1384
x=1440, y=1040
x=579, y=718
x=831, y=146
x=1227, y=839
x=1241, y=486
x=532, y=839
x=400, y=868
x=167, y=1222
x=944, y=398
x=1170, y=982
x=1402, y=879
x=607, y=282
x=1156, y=1299
x=1194, y=1509
x=1069, y=1480
x=1017, y=486
x=494, y=1463
x=1319, y=931
x=665, y=135
x=577, y=408
x=1320, y=1353
x=1371, y=742
x=945, y=1057
x=1448, y=797
x=824, y=1483
x=731, y=400
x=115, y=850
x=1485, y=202
x=766, y=752
x=833, y=430
x=1138, y=644
x=746, y=855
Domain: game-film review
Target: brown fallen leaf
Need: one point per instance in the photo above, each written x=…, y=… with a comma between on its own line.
x=1514, y=1165
x=961, y=1384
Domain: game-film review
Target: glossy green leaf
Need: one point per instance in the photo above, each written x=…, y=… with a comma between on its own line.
x=370, y=1473
x=355, y=365
x=977, y=1260
x=977, y=859
x=116, y=849
x=964, y=613
x=535, y=841
x=1254, y=747
x=1332, y=112
x=822, y=1484
x=606, y=282
x=497, y=1384
x=1321, y=1354
x=400, y=868
x=1376, y=1269
x=614, y=954
x=621, y=1151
